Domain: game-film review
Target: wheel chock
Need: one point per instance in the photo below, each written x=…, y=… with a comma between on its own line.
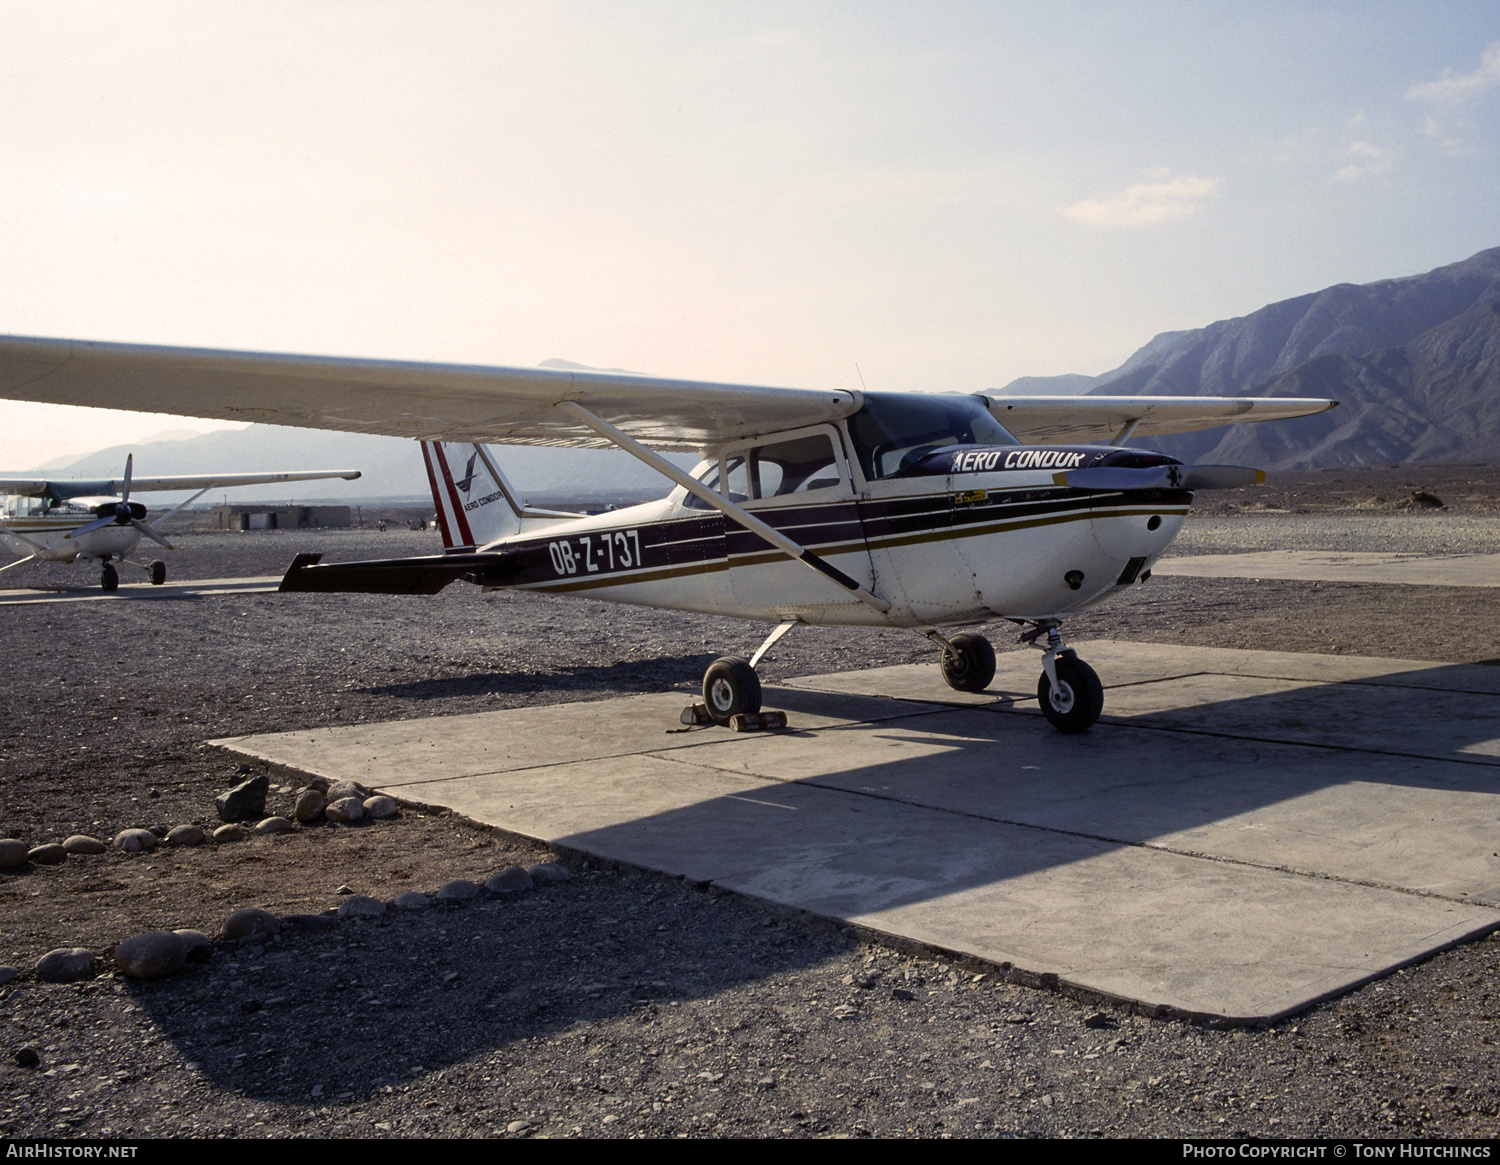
x=757, y=721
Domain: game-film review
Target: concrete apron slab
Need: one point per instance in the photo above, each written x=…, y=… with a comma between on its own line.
x=1208, y=847
x=1442, y=570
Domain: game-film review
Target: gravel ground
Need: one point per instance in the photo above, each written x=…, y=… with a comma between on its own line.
x=621, y=1003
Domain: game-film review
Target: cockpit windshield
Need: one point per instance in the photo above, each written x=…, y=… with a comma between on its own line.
x=894, y=431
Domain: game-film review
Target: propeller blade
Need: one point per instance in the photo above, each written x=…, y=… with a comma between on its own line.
x=97, y=523
x=1161, y=477
x=1222, y=476
x=129, y=462
x=150, y=533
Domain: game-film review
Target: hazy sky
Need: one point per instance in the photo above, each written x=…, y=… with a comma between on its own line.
x=945, y=195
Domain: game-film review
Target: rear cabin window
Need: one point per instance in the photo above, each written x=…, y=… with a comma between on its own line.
x=792, y=467
x=20, y=506
x=780, y=469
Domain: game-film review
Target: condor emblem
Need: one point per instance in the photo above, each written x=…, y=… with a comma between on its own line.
x=466, y=482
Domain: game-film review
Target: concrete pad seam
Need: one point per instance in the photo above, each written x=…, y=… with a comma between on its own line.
x=1323, y=876
x=1368, y=681
x=1146, y=726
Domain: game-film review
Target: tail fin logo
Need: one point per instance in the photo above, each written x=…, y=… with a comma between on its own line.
x=466, y=482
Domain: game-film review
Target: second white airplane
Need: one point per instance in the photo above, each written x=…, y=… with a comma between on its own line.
x=65, y=521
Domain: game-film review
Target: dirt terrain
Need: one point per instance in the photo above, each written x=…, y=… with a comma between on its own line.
x=621, y=1003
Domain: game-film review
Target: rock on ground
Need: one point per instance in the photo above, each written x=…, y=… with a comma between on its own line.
x=135, y=841
x=153, y=955
x=250, y=922
x=245, y=800
x=361, y=906
x=66, y=965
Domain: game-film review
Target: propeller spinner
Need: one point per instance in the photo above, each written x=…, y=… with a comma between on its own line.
x=122, y=512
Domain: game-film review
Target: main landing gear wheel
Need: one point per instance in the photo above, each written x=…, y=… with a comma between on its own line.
x=730, y=687
x=158, y=572
x=1075, y=703
x=968, y=663
x=109, y=578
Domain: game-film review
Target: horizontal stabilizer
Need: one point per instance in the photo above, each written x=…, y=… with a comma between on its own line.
x=425, y=575
x=1161, y=477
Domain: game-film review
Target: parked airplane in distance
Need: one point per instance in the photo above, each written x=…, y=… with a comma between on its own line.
x=929, y=511
x=64, y=521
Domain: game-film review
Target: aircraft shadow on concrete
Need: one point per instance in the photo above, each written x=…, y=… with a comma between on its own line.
x=1313, y=761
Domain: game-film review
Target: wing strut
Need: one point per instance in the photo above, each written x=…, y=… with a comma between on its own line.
x=179, y=506
x=719, y=502
x=1126, y=432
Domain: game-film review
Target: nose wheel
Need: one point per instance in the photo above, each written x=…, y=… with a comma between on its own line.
x=1069, y=691
x=1074, y=701
x=109, y=578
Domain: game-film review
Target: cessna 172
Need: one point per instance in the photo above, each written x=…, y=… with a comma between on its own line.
x=927, y=511
x=63, y=521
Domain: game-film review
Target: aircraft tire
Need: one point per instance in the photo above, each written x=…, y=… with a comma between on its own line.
x=1079, y=697
x=109, y=578
x=730, y=687
x=158, y=572
x=968, y=663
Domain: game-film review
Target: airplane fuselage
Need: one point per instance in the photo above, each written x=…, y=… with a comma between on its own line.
x=50, y=528
x=963, y=534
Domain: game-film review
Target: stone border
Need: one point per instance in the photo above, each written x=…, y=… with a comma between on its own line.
x=156, y=954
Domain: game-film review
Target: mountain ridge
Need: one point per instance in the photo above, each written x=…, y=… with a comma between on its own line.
x=1413, y=361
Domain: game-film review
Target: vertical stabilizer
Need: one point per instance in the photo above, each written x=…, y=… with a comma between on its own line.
x=475, y=502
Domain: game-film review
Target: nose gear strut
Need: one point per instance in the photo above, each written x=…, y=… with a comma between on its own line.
x=1069, y=691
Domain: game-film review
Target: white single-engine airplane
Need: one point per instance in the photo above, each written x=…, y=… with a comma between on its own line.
x=921, y=510
x=63, y=521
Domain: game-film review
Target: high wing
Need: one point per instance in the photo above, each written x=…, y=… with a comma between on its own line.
x=26, y=487
x=448, y=402
x=1086, y=420
x=113, y=487
x=474, y=403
